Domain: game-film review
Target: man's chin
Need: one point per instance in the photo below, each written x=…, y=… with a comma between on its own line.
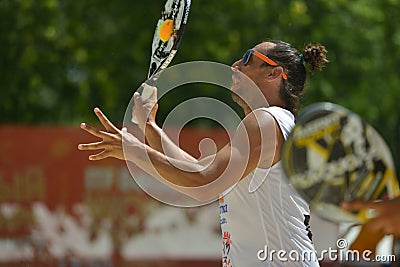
x=238, y=100
x=235, y=97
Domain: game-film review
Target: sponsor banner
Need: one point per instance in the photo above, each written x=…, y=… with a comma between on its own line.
x=57, y=208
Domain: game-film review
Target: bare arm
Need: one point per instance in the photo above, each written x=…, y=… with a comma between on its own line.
x=253, y=144
x=145, y=113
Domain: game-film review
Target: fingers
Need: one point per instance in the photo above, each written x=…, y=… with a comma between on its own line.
x=137, y=99
x=95, y=146
x=104, y=120
x=376, y=225
x=357, y=205
x=154, y=95
x=109, y=150
x=125, y=135
x=96, y=132
x=92, y=130
x=138, y=112
x=382, y=225
x=99, y=145
x=128, y=138
x=102, y=155
x=91, y=146
x=111, y=143
x=145, y=105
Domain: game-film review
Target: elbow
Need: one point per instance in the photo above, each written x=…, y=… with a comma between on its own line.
x=201, y=189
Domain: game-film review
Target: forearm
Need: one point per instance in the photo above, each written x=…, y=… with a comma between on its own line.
x=181, y=173
x=159, y=140
x=202, y=179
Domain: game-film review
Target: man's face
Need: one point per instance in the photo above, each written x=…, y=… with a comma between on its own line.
x=249, y=75
x=251, y=66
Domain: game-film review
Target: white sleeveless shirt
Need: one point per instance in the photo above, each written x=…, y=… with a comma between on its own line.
x=264, y=221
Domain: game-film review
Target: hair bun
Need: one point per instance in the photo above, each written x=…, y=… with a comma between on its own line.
x=315, y=56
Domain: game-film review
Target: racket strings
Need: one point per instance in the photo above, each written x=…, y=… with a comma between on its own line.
x=335, y=156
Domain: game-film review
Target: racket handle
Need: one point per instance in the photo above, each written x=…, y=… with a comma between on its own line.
x=146, y=93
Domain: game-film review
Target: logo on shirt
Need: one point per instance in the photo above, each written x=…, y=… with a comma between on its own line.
x=226, y=247
x=223, y=208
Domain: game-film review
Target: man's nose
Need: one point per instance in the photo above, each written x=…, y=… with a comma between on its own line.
x=236, y=64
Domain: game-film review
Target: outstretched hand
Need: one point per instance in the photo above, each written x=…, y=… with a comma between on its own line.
x=111, y=144
x=387, y=214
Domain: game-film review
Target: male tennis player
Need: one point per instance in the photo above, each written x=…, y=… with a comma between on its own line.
x=264, y=221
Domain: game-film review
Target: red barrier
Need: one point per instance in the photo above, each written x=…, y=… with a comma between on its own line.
x=57, y=208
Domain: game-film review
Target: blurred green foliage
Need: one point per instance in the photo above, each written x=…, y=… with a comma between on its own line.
x=59, y=59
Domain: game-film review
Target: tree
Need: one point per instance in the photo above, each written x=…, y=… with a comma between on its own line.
x=62, y=58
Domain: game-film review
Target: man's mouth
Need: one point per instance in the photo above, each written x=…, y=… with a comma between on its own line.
x=235, y=81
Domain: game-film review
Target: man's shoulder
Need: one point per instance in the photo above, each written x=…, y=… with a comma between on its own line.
x=284, y=118
x=276, y=110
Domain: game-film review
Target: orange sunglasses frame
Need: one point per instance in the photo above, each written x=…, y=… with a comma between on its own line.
x=268, y=60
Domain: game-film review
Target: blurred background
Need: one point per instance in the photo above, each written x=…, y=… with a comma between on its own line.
x=60, y=59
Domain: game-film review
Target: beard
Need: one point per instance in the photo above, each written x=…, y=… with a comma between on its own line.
x=240, y=101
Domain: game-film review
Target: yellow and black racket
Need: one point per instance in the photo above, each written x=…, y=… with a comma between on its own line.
x=333, y=155
x=167, y=37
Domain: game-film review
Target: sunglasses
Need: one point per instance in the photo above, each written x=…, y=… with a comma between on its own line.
x=247, y=56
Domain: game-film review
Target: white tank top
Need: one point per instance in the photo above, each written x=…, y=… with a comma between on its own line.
x=264, y=221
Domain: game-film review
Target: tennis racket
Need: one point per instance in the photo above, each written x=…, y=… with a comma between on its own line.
x=166, y=39
x=333, y=155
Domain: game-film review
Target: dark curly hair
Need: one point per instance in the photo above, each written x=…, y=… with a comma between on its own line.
x=294, y=64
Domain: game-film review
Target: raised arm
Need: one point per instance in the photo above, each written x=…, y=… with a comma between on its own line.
x=145, y=112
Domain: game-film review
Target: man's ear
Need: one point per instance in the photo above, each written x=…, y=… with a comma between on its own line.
x=274, y=73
